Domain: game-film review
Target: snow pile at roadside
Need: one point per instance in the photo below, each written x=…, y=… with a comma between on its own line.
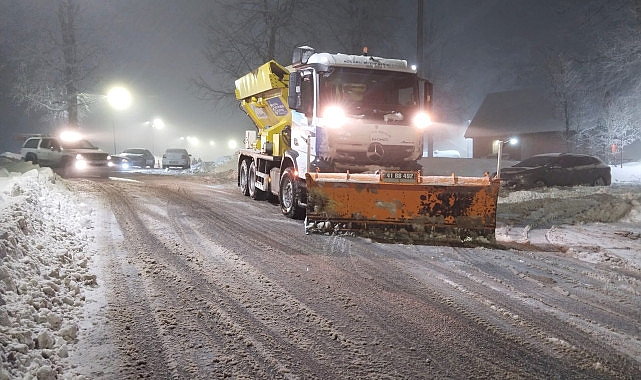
x=44, y=237
x=594, y=224
x=629, y=173
x=617, y=203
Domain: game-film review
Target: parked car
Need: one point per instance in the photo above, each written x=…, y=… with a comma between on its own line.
x=175, y=157
x=68, y=154
x=447, y=153
x=119, y=162
x=557, y=169
x=139, y=157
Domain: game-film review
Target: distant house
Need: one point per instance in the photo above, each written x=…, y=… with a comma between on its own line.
x=529, y=115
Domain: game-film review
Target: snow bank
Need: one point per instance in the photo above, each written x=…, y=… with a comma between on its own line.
x=629, y=173
x=44, y=235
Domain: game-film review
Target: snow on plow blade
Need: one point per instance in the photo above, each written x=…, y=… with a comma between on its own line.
x=403, y=207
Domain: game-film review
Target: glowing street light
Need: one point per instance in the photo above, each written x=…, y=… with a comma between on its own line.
x=119, y=99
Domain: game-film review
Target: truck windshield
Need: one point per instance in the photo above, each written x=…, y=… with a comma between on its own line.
x=364, y=92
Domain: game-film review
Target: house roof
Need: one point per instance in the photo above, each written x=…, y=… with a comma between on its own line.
x=515, y=113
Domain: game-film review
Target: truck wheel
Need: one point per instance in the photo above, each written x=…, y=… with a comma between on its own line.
x=243, y=177
x=254, y=192
x=289, y=195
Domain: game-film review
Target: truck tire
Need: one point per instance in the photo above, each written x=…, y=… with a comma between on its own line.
x=243, y=177
x=254, y=192
x=289, y=195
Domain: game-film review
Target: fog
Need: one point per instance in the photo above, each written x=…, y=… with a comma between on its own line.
x=155, y=49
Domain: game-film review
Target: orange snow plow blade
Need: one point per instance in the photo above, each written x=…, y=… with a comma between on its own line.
x=403, y=207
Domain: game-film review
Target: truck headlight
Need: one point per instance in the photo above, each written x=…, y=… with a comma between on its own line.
x=334, y=117
x=422, y=120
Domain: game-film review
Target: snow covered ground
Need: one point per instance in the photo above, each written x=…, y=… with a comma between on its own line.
x=47, y=236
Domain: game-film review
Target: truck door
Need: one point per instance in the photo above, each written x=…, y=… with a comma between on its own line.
x=304, y=133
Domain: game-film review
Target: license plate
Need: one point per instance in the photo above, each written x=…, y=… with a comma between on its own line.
x=398, y=176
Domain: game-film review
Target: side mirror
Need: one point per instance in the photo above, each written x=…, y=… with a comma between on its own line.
x=301, y=55
x=294, y=98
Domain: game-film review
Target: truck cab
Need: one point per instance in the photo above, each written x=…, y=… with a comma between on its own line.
x=360, y=113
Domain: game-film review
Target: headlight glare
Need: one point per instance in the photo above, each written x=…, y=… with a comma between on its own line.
x=334, y=117
x=422, y=120
x=81, y=163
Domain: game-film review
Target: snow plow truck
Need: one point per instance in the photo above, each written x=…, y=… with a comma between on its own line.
x=337, y=141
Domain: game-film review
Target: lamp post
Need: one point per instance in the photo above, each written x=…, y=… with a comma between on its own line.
x=511, y=141
x=156, y=123
x=119, y=99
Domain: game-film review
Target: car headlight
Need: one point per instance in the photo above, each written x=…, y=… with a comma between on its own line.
x=81, y=163
x=334, y=117
x=422, y=120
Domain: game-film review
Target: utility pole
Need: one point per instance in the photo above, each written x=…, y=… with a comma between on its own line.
x=420, y=18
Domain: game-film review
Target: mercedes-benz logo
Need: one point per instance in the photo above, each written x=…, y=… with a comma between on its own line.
x=375, y=152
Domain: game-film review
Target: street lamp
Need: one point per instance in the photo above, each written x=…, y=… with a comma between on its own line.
x=511, y=141
x=156, y=123
x=119, y=99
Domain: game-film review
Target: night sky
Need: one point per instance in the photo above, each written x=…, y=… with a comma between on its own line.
x=154, y=48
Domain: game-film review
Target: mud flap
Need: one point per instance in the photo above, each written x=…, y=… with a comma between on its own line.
x=403, y=207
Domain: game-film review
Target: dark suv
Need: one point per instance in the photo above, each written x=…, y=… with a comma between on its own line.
x=557, y=169
x=69, y=157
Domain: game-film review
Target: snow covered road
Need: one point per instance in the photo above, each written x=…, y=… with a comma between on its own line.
x=185, y=278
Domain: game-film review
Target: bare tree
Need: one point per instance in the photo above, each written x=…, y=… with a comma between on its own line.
x=564, y=76
x=620, y=125
x=598, y=92
x=240, y=35
x=351, y=25
x=54, y=67
x=67, y=14
x=619, y=84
